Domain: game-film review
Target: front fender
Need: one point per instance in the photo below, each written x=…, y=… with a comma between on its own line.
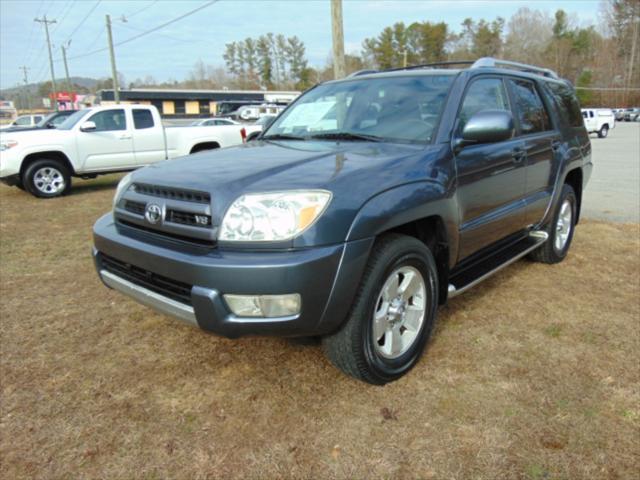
x=405, y=204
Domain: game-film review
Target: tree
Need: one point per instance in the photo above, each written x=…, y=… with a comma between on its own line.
x=263, y=47
x=528, y=34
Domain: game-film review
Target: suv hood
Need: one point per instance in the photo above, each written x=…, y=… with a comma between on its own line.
x=353, y=171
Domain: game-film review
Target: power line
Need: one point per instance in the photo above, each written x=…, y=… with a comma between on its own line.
x=146, y=32
x=142, y=9
x=65, y=10
x=33, y=27
x=130, y=27
x=612, y=89
x=83, y=20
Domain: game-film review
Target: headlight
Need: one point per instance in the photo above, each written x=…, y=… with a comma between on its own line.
x=122, y=186
x=276, y=216
x=7, y=144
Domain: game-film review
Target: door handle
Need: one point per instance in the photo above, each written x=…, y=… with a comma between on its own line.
x=125, y=137
x=518, y=154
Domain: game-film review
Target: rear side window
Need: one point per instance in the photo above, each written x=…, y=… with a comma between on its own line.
x=529, y=108
x=567, y=102
x=483, y=94
x=142, y=118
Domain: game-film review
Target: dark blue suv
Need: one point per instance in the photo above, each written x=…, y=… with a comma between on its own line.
x=365, y=205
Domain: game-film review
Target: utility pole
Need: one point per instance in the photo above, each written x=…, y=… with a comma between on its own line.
x=404, y=63
x=46, y=23
x=338, y=39
x=66, y=70
x=27, y=97
x=114, y=71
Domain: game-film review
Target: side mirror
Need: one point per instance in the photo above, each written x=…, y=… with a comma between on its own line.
x=88, y=126
x=488, y=126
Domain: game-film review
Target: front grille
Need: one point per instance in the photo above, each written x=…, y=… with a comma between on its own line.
x=172, y=193
x=188, y=218
x=169, y=235
x=173, y=289
x=134, y=207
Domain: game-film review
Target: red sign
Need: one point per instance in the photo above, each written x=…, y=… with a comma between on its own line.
x=64, y=96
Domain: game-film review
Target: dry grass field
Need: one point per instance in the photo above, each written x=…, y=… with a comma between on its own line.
x=535, y=374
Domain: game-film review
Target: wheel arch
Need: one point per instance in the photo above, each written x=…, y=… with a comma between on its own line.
x=422, y=210
x=201, y=146
x=574, y=178
x=432, y=232
x=56, y=155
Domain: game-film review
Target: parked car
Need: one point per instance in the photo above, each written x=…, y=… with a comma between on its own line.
x=100, y=140
x=254, y=112
x=598, y=120
x=253, y=131
x=618, y=114
x=51, y=120
x=213, y=122
x=23, y=121
x=7, y=110
x=426, y=182
x=632, y=115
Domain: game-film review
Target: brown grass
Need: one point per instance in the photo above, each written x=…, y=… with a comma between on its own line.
x=534, y=374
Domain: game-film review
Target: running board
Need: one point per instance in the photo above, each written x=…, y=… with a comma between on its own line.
x=473, y=275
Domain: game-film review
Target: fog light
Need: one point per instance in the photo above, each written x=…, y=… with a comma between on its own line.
x=264, y=305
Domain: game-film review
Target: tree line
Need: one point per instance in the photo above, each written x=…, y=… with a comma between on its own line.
x=602, y=60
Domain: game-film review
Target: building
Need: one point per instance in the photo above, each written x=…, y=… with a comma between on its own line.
x=197, y=103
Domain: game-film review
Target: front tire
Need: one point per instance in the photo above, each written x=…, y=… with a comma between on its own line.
x=47, y=179
x=560, y=229
x=393, y=313
x=604, y=131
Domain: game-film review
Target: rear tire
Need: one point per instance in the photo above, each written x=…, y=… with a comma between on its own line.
x=604, y=131
x=47, y=179
x=393, y=313
x=560, y=229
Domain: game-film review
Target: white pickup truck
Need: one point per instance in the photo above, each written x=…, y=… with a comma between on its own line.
x=599, y=120
x=101, y=140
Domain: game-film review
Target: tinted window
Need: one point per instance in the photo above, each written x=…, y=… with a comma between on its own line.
x=529, y=107
x=109, y=120
x=22, y=121
x=402, y=109
x=142, y=118
x=567, y=102
x=483, y=94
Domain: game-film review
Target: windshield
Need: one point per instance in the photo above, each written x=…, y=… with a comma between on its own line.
x=69, y=123
x=394, y=109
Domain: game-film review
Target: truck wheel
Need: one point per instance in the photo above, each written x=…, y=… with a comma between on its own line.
x=392, y=315
x=560, y=229
x=47, y=179
x=604, y=131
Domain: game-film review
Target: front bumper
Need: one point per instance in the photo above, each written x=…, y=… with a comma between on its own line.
x=325, y=277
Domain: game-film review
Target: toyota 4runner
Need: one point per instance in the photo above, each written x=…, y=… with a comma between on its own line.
x=369, y=202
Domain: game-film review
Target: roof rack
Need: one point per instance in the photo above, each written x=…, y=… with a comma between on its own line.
x=490, y=62
x=484, y=62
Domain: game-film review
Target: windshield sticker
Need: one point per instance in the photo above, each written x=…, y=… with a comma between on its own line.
x=307, y=114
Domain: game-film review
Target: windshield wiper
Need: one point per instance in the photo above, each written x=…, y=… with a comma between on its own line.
x=282, y=136
x=347, y=136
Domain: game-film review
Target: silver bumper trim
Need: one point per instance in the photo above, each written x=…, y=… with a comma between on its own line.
x=151, y=299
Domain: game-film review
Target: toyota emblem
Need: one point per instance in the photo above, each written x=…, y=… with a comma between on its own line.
x=153, y=213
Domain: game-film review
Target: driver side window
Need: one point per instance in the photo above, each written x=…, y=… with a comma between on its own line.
x=109, y=120
x=483, y=94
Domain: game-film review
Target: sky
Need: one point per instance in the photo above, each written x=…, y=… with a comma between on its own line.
x=171, y=52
